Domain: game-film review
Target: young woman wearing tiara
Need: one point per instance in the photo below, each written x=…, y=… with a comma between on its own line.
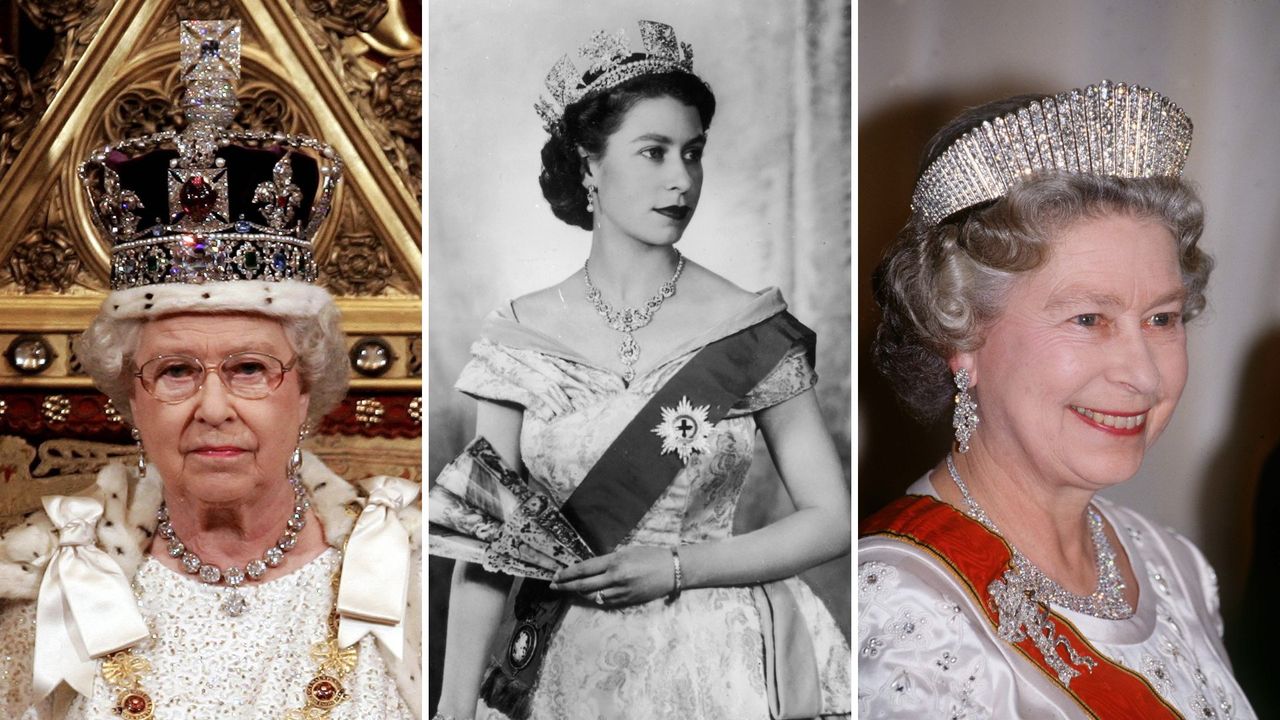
x=622, y=404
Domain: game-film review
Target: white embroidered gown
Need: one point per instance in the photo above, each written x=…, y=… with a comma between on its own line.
x=696, y=657
x=206, y=664
x=926, y=650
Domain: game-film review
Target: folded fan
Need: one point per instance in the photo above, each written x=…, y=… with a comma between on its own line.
x=484, y=512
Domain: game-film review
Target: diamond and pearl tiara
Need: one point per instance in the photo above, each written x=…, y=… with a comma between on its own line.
x=211, y=203
x=1105, y=129
x=611, y=63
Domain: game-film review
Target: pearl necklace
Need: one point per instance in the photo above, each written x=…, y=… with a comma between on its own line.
x=1107, y=600
x=234, y=603
x=629, y=319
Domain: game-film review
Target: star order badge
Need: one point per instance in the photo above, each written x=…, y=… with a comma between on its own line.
x=684, y=430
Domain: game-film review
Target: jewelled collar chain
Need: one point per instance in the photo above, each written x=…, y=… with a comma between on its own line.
x=124, y=671
x=234, y=603
x=1106, y=602
x=629, y=319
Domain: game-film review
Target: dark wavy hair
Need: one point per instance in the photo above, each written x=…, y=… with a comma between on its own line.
x=588, y=123
x=941, y=285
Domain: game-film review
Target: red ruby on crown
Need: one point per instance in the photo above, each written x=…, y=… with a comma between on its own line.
x=197, y=197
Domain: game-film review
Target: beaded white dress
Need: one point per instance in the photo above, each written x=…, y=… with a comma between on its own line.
x=206, y=664
x=925, y=649
x=698, y=657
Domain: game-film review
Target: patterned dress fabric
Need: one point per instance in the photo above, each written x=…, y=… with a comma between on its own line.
x=925, y=649
x=701, y=655
x=253, y=666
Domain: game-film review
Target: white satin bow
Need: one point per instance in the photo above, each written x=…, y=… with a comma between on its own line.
x=375, y=569
x=85, y=609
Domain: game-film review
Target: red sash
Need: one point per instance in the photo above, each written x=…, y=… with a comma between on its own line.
x=978, y=557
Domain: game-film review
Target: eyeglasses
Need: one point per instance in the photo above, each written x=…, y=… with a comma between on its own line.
x=248, y=375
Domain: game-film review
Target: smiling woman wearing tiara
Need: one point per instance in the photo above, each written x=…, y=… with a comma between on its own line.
x=617, y=411
x=1042, y=285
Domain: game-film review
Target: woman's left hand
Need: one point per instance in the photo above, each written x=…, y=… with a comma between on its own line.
x=629, y=576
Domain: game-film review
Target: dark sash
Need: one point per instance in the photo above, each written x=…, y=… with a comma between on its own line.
x=978, y=557
x=623, y=484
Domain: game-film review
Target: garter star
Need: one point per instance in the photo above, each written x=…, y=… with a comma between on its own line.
x=685, y=430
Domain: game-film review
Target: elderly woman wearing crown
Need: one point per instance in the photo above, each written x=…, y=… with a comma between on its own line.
x=1045, y=280
x=617, y=411
x=224, y=577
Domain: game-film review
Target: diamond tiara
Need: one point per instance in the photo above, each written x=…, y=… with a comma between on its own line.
x=1105, y=129
x=611, y=63
x=211, y=203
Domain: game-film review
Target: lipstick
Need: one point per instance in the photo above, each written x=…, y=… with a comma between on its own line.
x=675, y=212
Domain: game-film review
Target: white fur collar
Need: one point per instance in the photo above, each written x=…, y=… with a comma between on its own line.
x=129, y=520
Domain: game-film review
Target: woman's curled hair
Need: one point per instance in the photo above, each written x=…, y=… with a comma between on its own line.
x=588, y=123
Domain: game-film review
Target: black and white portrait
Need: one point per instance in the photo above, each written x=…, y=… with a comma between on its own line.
x=639, y=359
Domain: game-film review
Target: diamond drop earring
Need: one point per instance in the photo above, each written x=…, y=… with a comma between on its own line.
x=142, y=453
x=965, y=420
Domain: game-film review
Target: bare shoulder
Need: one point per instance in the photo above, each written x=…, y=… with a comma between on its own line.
x=549, y=309
x=714, y=295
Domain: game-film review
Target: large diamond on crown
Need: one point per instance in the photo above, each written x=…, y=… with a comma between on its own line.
x=197, y=258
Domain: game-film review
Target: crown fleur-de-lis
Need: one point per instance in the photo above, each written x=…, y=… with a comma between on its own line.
x=118, y=208
x=279, y=198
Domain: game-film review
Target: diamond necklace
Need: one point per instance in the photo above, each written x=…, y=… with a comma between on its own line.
x=234, y=603
x=629, y=319
x=1106, y=602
